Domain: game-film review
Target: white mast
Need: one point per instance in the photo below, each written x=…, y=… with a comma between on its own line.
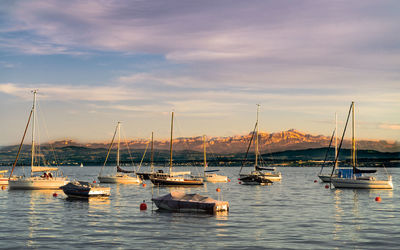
x=256, y=163
x=119, y=138
x=33, y=130
x=170, y=146
x=205, y=155
x=152, y=154
x=353, y=139
x=336, y=139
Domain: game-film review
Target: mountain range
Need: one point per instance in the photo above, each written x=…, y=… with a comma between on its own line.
x=268, y=142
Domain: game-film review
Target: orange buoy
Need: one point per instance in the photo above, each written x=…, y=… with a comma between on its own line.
x=143, y=206
x=218, y=190
x=326, y=186
x=55, y=195
x=229, y=180
x=94, y=181
x=144, y=184
x=378, y=199
x=3, y=187
x=315, y=181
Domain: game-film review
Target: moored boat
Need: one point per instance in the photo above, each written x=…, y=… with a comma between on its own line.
x=181, y=202
x=122, y=176
x=210, y=175
x=4, y=179
x=355, y=177
x=175, y=178
x=82, y=189
x=258, y=176
x=50, y=178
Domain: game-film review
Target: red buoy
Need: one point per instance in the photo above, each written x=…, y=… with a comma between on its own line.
x=315, y=181
x=238, y=179
x=326, y=186
x=378, y=199
x=143, y=206
x=229, y=180
x=240, y=182
x=144, y=184
x=94, y=181
x=218, y=190
x=3, y=187
x=55, y=195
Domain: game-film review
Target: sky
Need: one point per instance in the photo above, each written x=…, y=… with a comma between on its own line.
x=98, y=62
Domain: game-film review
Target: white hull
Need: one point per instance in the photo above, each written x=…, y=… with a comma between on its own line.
x=34, y=183
x=326, y=178
x=364, y=183
x=122, y=179
x=4, y=180
x=215, y=178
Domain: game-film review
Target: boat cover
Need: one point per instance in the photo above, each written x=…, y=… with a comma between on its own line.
x=267, y=169
x=365, y=171
x=43, y=169
x=120, y=170
x=179, y=200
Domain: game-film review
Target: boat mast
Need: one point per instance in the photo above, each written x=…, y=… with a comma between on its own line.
x=205, y=154
x=33, y=130
x=353, y=140
x=119, y=139
x=152, y=154
x=335, y=138
x=256, y=141
x=170, y=145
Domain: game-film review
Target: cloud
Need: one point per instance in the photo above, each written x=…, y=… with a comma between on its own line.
x=390, y=126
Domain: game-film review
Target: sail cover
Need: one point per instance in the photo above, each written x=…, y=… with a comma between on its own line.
x=267, y=169
x=43, y=169
x=120, y=170
x=367, y=171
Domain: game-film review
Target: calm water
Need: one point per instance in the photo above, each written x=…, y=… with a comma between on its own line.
x=296, y=213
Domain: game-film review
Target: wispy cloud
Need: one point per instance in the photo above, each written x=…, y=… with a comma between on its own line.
x=390, y=126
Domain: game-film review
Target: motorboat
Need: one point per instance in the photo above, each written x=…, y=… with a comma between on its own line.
x=181, y=202
x=82, y=189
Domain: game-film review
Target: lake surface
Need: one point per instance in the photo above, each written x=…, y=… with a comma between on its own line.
x=293, y=214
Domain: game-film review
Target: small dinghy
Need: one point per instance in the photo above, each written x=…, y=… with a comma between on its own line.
x=181, y=202
x=82, y=189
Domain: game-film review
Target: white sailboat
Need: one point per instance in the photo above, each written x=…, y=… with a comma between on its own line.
x=174, y=178
x=209, y=175
x=258, y=177
x=49, y=178
x=122, y=176
x=355, y=178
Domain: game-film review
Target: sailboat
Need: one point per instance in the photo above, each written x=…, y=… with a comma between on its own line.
x=209, y=175
x=174, y=178
x=146, y=175
x=258, y=177
x=81, y=165
x=122, y=176
x=49, y=178
x=355, y=178
x=327, y=177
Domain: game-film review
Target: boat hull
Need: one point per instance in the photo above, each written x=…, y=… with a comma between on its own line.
x=76, y=190
x=4, y=181
x=325, y=178
x=179, y=202
x=215, y=178
x=176, y=182
x=35, y=183
x=362, y=183
x=123, y=179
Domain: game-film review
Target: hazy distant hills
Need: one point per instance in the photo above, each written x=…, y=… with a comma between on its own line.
x=287, y=145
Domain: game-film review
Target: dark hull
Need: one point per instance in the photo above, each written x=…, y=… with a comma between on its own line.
x=145, y=176
x=255, y=179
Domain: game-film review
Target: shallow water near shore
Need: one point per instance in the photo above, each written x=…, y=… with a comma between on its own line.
x=295, y=213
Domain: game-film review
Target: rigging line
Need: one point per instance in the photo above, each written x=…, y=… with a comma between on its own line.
x=20, y=145
x=47, y=134
x=341, y=141
x=127, y=146
x=109, y=149
x=327, y=151
x=144, y=154
x=248, y=148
